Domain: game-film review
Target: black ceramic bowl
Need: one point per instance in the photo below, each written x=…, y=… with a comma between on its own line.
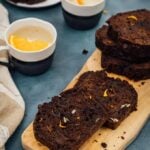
x=30, y=68
x=82, y=17
x=81, y=23
x=31, y=62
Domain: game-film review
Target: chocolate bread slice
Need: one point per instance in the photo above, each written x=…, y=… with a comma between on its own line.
x=116, y=48
x=133, y=71
x=68, y=120
x=28, y=1
x=132, y=29
x=122, y=96
x=71, y=118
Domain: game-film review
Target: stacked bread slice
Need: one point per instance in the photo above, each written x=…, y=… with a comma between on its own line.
x=125, y=44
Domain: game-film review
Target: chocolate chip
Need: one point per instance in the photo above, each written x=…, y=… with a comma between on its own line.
x=95, y=141
x=142, y=83
x=85, y=52
x=122, y=137
x=104, y=145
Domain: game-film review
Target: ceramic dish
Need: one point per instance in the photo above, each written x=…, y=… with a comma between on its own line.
x=82, y=17
x=47, y=3
x=30, y=62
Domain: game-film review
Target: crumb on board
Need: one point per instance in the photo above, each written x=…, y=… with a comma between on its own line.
x=103, y=144
x=85, y=51
x=142, y=83
x=95, y=141
x=122, y=137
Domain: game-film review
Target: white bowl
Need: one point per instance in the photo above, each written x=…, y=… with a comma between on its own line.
x=31, y=56
x=84, y=10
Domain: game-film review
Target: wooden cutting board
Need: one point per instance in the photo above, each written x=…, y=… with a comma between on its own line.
x=117, y=139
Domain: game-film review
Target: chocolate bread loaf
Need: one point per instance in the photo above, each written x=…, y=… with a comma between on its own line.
x=125, y=44
x=117, y=48
x=122, y=96
x=69, y=120
x=28, y=1
x=133, y=71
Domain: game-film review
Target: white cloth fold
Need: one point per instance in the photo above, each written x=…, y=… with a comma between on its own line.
x=4, y=22
x=12, y=105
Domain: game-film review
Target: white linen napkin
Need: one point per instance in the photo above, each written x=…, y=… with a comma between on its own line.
x=12, y=105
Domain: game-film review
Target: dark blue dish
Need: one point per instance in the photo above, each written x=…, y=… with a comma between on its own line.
x=80, y=22
x=30, y=68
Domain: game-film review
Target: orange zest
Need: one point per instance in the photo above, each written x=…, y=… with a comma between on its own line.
x=132, y=17
x=80, y=2
x=25, y=44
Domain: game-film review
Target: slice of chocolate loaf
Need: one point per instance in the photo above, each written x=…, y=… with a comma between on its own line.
x=122, y=96
x=132, y=29
x=116, y=48
x=131, y=70
x=28, y=1
x=69, y=120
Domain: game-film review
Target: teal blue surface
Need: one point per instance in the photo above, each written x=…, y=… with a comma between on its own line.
x=67, y=62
